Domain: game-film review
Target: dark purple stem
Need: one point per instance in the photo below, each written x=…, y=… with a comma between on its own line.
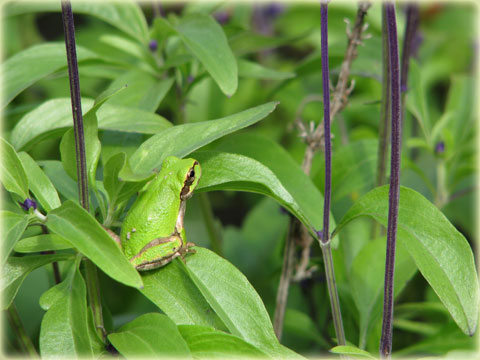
x=413, y=17
x=394, y=195
x=69, y=30
x=326, y=122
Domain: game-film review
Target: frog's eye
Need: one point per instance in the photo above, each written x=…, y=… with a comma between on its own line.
x=191, y=173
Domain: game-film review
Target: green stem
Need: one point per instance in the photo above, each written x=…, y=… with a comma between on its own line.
x=213, y=233
x=441, y=195
x=94, y=297
x=22, y=337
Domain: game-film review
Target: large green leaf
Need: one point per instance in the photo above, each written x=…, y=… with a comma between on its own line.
x=181, y=140
x=16, y=269
x=46, y=242
x=439, y=250
x=367, y=279
x=172, y=290
x=39, y=183
x=150, y=335
x=12, y=173
x=416, y=99
x=126, y=15
x=250, y=69
x=65, y=185
x=79, y=228
x=30, y=65
x=351, y=351
x=234, y=300
x=208, y=343
x=204, y=37
x=13, y=226
x=54, y=117
x=303, y=199
x=66, y=329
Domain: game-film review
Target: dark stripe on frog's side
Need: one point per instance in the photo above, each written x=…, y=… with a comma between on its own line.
x=159, y=241
x=188, y=182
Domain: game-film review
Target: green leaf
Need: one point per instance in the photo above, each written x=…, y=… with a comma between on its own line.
x=13, y=226
x=204, y=37
x=250, y=69
x=66, y=329
x=367, y=278
x=65, y=185
x=30, y=65
x=56, y=118
x=416, y=99
x=12, y=173
x=39, y=183
x=234, y=300
x=81, y=230
x=181, y=140
x=351, y=351
x=439, y=250
x=303, y=198
x=152, y=335
x=126, y=15
x=172, y=290
x=208, y=343
x=144, y=91
x=39, y=243
x=16, y=269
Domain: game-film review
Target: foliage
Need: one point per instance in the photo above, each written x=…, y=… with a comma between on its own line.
x=189, y=83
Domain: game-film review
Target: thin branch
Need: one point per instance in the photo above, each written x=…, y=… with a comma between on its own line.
x=394, y=194
x=91, y=274
x=23, y=339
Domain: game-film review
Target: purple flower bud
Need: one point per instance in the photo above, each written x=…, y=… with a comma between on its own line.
x=222, y=17
x=28, y=203
x=153, y=45
x=440, y=147
x=273, y=10
x=190, y=79
x=319, y=234
x=403, y=88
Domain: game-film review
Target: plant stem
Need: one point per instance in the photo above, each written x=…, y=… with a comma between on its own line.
x=213, y=234
x=22, y=336
x=325, y=239
x=284, y=284
x=394, y=192
x=91, y=274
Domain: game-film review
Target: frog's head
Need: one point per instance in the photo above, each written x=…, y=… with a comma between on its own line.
x=187, y=173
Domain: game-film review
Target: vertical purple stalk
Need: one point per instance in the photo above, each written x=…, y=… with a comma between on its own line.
x=394, y=195
x=69, y=30
x=325, y=235
x=91, y=277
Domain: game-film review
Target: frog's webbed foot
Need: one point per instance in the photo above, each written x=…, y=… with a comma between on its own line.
x=185, y=250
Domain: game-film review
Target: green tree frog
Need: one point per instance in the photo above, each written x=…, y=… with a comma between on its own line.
x=152, y=233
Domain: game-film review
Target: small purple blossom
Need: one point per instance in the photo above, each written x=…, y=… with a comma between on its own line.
x=222, y=17
x=28, y=203
x=273, y=10
x=190, y=79
x=153, y=45
x=440, y=147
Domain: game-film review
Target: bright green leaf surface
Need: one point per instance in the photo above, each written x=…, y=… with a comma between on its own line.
x=208, y=343
x=126, y=15
x=30, y=65
x=152, y=335
x=250, y=69
x=367, y=280
x=16, y=269
x=172, y=290
x=416, y=99
x=351, y=351
x=39, y=183
x=13, y=226
x=65, y=185
x=304, y=199
x=181, y=140
x=56, y=118
x=439, y=250
x=204, y=37
x=39, y=243
x=12, y=173
x=80, y=229
x=65, y=329
x=234, y=299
